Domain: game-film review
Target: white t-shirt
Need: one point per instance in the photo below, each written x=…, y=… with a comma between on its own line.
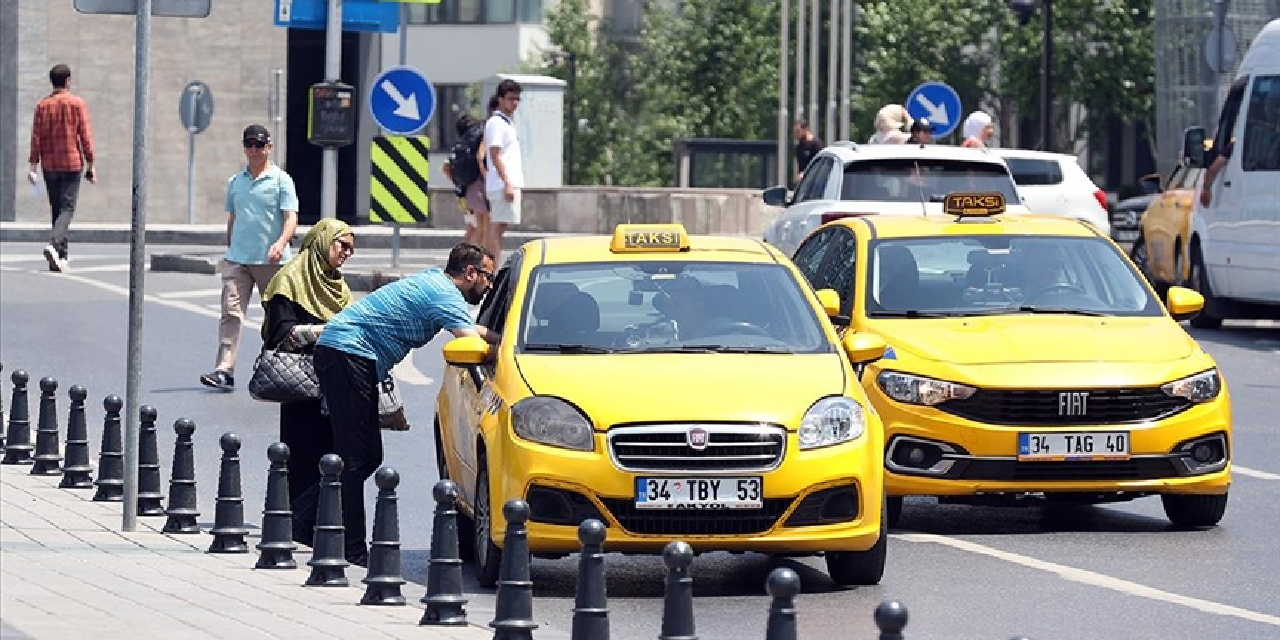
x=499, y=132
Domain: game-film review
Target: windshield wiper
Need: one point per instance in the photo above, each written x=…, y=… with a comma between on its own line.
x=910, y=313
x=705, y=348
x=1029, y=308
x=566, y=348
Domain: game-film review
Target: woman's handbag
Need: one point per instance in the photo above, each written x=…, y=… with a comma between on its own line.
x=284, y=376
x=390, y=409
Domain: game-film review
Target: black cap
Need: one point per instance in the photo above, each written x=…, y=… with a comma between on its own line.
x=922, y=124
x=257, y=132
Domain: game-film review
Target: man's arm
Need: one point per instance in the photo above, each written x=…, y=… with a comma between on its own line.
x=489, y=336
x=290, y=226
x=480, y=156
x=84, y=134
x=1211, y=174
x=37, y=122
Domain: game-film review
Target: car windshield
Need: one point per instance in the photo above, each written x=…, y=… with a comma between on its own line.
x=659, y=306
x=1000, y=274
x=904, y=180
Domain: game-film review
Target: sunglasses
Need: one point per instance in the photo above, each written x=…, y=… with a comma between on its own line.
x=346, y=246
x=488, y=275
x=255, y=144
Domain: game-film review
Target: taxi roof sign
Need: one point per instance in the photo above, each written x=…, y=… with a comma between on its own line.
x=970, y=204
x=649, y=238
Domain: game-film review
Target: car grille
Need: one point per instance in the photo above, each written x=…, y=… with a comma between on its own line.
x=696, y=521
x=666, y=448
x=1103, y=406
x=1013, y=470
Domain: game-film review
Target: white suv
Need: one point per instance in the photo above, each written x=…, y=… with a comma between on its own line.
x=848, y=179
x=1054, y=184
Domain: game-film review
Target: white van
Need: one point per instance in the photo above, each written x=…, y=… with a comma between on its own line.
x=1235, y=241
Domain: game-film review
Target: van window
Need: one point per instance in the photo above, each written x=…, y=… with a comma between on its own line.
x=1029, y=171
x=1262, y=126
x=1225, y=137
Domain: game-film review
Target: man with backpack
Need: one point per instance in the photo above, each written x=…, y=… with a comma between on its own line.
x=464, y=170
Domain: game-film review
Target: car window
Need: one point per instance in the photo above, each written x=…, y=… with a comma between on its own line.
x=994, y=274
x=904, y=180
x=665, y=306
x=809, y=257
x=813, y=186
x=1262, y=126
x=496, y=303
x=1227, y=120
x=838, y=271
x=1034, y=171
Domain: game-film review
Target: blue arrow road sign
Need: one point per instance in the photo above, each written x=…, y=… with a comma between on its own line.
x=939, y=103
x=401, y=100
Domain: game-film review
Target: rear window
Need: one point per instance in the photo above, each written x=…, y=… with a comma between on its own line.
x=1031, y=172
x=903, y=180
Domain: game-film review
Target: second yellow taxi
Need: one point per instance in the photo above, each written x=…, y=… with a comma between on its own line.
x=674, y=387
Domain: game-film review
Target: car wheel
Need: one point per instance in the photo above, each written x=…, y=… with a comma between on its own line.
x=442, y=468
x=488, y=557
x=1200, y=280
x=1194, y=510
x=855, y=568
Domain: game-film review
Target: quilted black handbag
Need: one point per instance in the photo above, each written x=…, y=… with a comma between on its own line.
x=284, y=376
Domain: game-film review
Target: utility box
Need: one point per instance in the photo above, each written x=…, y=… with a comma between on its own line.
x=539, y=124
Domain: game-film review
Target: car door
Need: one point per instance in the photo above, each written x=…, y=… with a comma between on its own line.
x=1159, y=225
x=826, y=260
x=1223, y=216
x=812, y=193
x=1255, y=252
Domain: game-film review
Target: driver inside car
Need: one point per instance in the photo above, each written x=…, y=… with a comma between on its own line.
x=1045, y=274
x=683, y=301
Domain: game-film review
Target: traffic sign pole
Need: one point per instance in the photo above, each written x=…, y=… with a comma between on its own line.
x=404, y=55
x=332, y=71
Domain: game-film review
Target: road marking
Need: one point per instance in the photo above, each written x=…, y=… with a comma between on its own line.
x=174, y=304
x=1094, y=579
x=99, y=268
x=198, y=293
x=408, y=373
x=38, y=257
x=1254, y=473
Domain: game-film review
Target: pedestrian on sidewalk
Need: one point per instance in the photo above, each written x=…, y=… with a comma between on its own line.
x=807, y=145
x=61, y=143
x=463, y=170
x=890, y=121
x=307, y=293
x=262, y=214
x=921, y=132
x=358, y=349
x=978, y=130
x=505, y=176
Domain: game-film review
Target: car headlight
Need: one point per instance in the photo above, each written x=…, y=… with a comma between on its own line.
x=554, y=422
x=905, y=387
x=1202, y=387
x=831, y=421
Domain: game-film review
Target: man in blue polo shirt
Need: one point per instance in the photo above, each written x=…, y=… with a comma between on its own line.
x=361, y=344
x=262, y=214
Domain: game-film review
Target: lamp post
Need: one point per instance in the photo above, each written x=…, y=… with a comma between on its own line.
x=571, y=60
x=1024, y=9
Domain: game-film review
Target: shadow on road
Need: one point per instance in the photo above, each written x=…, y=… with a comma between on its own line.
x=923, y=515
x=1264, y=339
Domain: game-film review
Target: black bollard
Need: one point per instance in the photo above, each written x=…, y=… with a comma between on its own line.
x=228, y=512
x=276, y=546
x=513, y=606
x=783, y=585
x=677, y=601
x=17, y=447
x=48, y=461
x=149, y=496
x=328, y=552
x=591, y=603
x=891, y=619
x=384, y=576
x=110, y=480
x=444, y=570
x=182, y=482
x=76, y=473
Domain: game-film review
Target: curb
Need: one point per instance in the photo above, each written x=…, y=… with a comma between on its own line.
x=367, y=279
x=372, y=237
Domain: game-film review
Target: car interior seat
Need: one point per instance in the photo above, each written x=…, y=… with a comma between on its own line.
x=899, y=279
x=574, y=321
x=547, y=297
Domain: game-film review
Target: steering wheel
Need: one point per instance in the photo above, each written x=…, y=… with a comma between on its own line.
x=735, y=326
x=1059, y=288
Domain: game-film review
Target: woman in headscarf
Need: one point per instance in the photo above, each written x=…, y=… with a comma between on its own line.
x=306, y=292
x=978, y=129
x=891, y=122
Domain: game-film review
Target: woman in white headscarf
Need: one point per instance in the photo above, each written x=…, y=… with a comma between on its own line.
x=891, y=123
x=978, y=129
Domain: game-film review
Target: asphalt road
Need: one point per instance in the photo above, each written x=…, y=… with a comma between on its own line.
x=963, y=572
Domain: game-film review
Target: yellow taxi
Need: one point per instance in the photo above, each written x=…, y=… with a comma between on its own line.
x=1027, y=360
x=674, y=387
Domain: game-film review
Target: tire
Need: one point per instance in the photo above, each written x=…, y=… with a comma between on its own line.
x=893, y=513
x=1194, y=510
x=1200, y=280
x=487, y=555
x=442, y=468
x=1138, y=255
x=861, y=568
x=466, y=526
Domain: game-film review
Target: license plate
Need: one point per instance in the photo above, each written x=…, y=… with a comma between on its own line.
x=700, y=493
x=1093, y=445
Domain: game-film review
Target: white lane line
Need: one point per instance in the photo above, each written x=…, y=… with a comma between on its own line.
x=1095, y=579
x=408, y=373
x=100, y=268
x=1254, y=473
x=198, y=293
x=174, y=304
x=38, y=257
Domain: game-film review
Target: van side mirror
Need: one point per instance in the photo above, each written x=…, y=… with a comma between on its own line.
x=775, y=196
x=1183, y=303
x=1193, y=154
x=1150, y=184
x=863, y=348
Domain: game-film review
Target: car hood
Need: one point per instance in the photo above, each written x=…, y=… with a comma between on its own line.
x=612, y=389
x=1040, y=338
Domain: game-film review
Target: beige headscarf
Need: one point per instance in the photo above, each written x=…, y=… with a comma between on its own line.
x=308, y=279
x=891, y=122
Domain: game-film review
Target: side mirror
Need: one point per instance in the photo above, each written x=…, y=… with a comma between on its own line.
x=830, y=302
x=466, y=350
x=1150, y=184
x=1183, y=303
x=863, y=347
x=775, y=196
x=1193, y=154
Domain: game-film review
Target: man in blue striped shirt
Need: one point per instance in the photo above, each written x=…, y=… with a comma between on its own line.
x=359, y=346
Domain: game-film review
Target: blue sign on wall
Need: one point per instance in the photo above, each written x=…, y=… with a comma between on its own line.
x=357, y=15
x=938, y=102
x=401, y=100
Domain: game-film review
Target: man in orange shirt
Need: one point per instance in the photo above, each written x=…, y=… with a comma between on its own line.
x=61, y=141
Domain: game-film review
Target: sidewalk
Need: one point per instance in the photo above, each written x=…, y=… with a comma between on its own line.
x=68, y=572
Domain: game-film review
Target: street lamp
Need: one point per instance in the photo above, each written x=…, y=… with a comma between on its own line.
x=1024, y=9
x=571, y=60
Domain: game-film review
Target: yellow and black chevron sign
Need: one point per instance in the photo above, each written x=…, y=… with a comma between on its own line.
x=398, y=183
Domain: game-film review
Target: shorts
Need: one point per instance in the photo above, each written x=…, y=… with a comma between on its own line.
x=501, y=211
x=473, y=203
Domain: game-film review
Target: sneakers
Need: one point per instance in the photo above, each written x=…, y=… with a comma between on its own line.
x=57, y=263
x=218, y=380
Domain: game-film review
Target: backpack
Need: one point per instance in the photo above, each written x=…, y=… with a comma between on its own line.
x=462, y=159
